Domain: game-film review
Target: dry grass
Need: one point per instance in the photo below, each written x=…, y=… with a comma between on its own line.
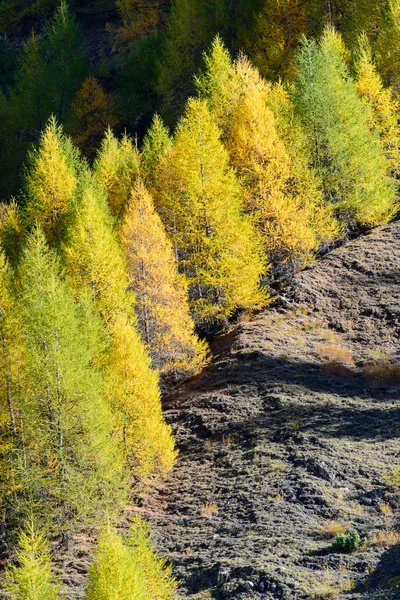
x=382, y=371
x=208, y=510
x=275, y=498
x=337, y=360
x=330, y=584
x=330, y=530
x=278, y=466
x=385, y=538
x=393, y=478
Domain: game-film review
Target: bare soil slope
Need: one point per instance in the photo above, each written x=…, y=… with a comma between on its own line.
x=287, y=436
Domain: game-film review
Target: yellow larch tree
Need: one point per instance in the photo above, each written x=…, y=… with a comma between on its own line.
x=156, y=144
x=51, y=183
x=280, y=190
x=116, y=169
x=161, y=292
x=381, y=102
x=200, y=202
x=95, y=264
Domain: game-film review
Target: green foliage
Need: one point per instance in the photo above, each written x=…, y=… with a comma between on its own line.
x=32, y=578
x=348, y=542
x=348, y=158
x=129, y=569
x=71, y=463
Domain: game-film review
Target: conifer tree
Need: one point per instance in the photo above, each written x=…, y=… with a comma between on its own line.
x=51, y=183
x=156, y=145
x=72, y=470
x=12, y=231
x=200, y=202
x=113, y=574
x=159, y=582
x=95, y=265
x=380, y=101
x=219, y=84
x=277, y=33
x=387, y=45
x=13, y=384
x=32, y=578
x=129, y=569
x=91, y=113
x=116, y=169
x=348, y=157
x=161, y=293
x=66, y=59
x=188, y=35
x=280, y=190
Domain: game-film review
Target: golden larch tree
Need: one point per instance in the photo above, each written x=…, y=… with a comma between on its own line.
x=161, y=292
x=200, y=201
x=116, y=169
x=95, y=264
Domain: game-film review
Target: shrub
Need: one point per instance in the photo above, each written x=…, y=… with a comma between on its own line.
x=348, y=543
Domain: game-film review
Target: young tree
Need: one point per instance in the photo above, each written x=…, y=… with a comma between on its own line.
x=91, y=114
x=113, y=574
x=73, y=470
x=129, y=569
x=32, y=578
x=95, y=265
x=161, y=293
x=116, y=169
x=380, y=101
x=51, y=183
x=200, y=202
x=156, y=145
x=348, y=157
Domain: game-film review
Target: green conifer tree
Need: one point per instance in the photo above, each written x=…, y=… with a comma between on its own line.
x=349, y=159
x=156, y=145
x=32, y=578
x=73, y=470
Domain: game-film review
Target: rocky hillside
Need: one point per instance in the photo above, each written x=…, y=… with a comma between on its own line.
x=291, y=436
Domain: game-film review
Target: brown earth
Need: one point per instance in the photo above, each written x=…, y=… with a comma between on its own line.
x=292, y=431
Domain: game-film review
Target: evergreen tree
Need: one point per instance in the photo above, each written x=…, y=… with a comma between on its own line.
x=156, y=145
x=13, y=380
x=51, y=183
x=387, y=45
x=116, y=169
x=129, y=569
x=114, y=575
x=32, y=578
x=380, y=101
x=140, y=17
x=72, y=470
x=348, y=157
x=188, y=35
x=200, y=202
x=66, y=59
x=95, y=265
x=91, y=113
x=277, y=33
x=12, y=231
x=159, y=582
x=161, y=293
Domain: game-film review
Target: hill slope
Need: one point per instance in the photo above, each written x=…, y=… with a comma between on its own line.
x=285, y=434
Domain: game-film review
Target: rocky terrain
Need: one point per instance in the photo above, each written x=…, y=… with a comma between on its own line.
x=291, y=436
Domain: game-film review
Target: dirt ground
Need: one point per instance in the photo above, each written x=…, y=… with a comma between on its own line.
x=290, y=436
